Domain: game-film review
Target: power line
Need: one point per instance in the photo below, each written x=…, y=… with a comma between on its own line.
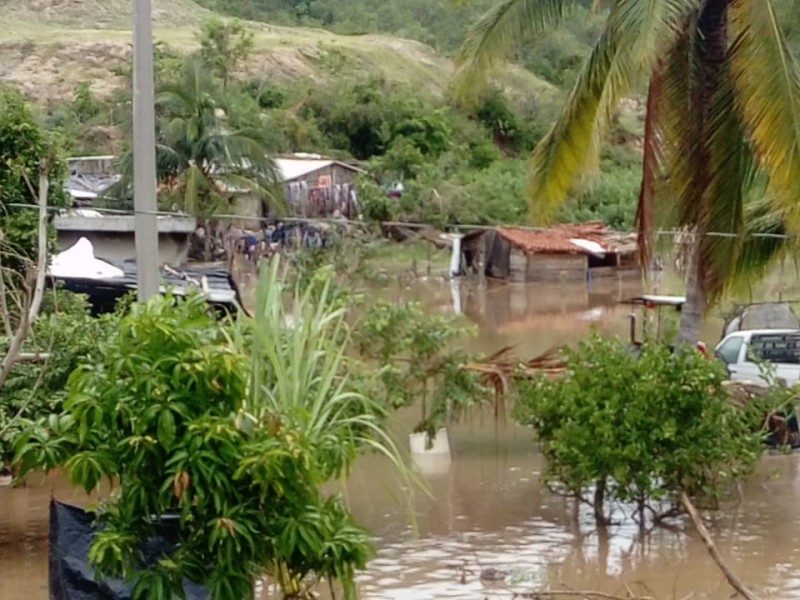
x=409, y=225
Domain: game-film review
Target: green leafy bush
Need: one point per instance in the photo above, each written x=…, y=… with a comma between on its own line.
x=639, y=428
x=417, y=360
x=64, y=336
x=234, y=428
x=24, y=146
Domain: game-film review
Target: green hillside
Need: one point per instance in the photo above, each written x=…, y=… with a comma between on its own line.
x=49, y=46
x=341, y=86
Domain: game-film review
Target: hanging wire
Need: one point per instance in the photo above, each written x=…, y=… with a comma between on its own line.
x=411, y=225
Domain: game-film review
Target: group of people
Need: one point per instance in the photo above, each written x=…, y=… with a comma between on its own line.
x=275, y=237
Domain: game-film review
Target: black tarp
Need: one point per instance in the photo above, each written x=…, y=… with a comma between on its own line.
x=72, y=578
x=103, y=294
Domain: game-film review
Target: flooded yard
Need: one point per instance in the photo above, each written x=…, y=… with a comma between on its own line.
x=488, y=508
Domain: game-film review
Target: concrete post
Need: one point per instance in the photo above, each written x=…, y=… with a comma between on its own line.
x=144, y=148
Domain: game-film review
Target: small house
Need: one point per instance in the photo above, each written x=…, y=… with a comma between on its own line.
x=561, y=253
x=319, y=187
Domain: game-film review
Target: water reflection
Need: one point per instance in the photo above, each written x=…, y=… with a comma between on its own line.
x=487, y=507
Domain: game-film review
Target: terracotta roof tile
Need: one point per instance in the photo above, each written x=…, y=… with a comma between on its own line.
x=556, y=240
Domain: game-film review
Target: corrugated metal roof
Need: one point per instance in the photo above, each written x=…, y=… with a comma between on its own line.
x=292, y=168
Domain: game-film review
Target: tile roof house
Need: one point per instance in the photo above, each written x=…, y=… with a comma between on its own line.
x=564, y=252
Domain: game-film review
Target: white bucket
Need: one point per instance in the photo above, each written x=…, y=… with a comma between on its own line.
x=432, y=465
x=440, y=445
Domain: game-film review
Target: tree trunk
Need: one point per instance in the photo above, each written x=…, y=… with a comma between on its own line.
x=4, y=313
x=695, y=308
x=36, y=277
x=599, y=502
x=700, y=276
x=41, y=265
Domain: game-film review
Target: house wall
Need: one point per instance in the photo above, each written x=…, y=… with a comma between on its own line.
x=517, y=265
x=556, y=267
x=336, y=174
x=249, y=209
x=173, y=248
x=113, y=236
x=91, y=165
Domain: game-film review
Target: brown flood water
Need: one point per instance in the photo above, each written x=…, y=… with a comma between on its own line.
x=487, y=507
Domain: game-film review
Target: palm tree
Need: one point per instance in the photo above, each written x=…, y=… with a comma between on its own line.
x=201, y=162
x=722, y=125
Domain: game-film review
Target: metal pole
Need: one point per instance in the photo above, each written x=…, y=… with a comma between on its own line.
x=144, y=148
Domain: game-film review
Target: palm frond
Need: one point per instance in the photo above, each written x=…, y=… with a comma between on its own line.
x=764, y=242
x=727, y=173
x=502, y=29
x=679, y=118
x=767, y=83
x=651, y=168
x=636, y=34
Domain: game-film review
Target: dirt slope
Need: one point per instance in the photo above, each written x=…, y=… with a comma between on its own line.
x=50, y=46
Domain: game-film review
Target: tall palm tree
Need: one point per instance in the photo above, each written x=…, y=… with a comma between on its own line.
x=722, y=122
x=201, y=162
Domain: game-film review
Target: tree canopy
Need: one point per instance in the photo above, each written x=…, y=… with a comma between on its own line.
x=24, y=146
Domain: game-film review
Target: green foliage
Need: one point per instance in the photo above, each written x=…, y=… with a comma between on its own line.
x=65, y=334
x=440, y=24
x=24, y=147
x=232, y=428
x=203, y=160
x=417, y=360
x=639, y=428
x=366, y=118
x=612, y=199
x=224, y=45
x=508, y=130
x=345, y=253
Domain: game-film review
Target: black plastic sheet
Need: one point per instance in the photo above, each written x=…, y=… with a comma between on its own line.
x=73, y=578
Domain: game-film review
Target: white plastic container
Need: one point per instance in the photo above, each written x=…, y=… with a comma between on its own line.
x=440, y=445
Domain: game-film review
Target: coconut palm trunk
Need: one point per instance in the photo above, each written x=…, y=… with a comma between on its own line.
x=722, y=126
x=694, y=310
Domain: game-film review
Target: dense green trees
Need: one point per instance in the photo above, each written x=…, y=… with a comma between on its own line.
x=25, y=146
x=202, y=159
x=64, y=335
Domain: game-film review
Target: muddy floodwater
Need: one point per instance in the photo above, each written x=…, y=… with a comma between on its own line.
x=487, y=507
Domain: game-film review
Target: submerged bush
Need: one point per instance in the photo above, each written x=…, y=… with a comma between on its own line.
x=639, y=428
x=235, y=428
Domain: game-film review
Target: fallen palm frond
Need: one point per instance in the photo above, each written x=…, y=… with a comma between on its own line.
x=501, y=369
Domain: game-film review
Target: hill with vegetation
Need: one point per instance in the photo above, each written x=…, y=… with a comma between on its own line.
x=336, y=84
x=50, y=46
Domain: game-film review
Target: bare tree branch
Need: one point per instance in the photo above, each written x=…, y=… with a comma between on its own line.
x=18, y=339
x=41, y=263
x=3, y=304
x=36, y=277
x=732, y=578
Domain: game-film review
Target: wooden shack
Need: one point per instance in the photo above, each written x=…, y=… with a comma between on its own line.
x=562, y=253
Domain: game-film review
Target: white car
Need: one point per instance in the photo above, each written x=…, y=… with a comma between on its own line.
x=741, y=349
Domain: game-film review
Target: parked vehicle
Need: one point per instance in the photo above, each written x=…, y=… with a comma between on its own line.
x=744, y=351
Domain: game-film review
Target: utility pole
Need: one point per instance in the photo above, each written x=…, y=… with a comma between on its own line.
x=144, y=152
